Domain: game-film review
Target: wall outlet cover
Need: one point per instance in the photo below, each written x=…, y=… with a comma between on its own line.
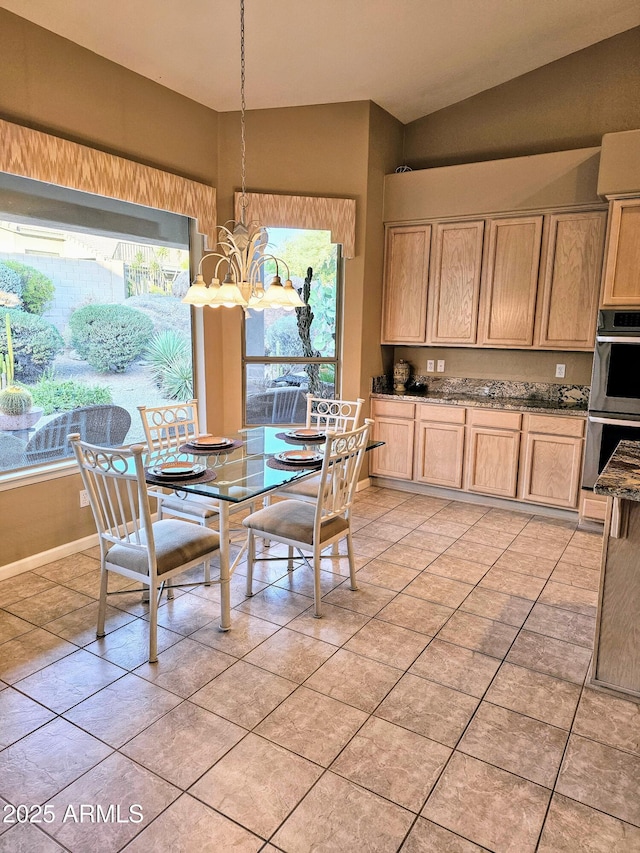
x=440, y=365
x=560, y=371
x=84, y=497
x=431, y=365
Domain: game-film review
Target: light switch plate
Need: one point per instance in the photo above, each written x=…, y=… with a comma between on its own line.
x=560, y=369
x=440, y=365
x=431, y=365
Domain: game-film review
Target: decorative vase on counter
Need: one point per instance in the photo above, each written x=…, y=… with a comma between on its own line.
x=401, y=373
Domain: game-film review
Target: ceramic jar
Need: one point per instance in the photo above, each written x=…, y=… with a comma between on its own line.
x=401, y=372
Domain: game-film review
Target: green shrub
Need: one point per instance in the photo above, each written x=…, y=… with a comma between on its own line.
x=109, y=337
x=169, y=356
x=36, y=288
x=61, y=396
x=10, y=281
x=35, y=344
x=177, y=379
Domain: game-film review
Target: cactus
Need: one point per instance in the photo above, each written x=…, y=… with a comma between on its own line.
x=15, y=400
x=6, y=359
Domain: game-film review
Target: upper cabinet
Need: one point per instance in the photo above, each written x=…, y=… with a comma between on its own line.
x=404, y=310
x=622, y=265
x=511, y=282
x=455, y=283
x=571, y=283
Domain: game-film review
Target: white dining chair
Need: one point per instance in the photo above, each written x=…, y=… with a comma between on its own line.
x=130, y=544
x=314, y=527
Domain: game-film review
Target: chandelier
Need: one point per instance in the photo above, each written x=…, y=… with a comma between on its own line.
x=241, y=250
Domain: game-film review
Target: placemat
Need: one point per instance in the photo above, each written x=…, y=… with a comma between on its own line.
x=284, y=466
x=210, y=451
x=308, y=440
x=207, y=476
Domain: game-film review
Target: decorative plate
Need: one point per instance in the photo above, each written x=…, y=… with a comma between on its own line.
x=299, y=457
x=177, y=470
x=305, y=433
x=211, y=441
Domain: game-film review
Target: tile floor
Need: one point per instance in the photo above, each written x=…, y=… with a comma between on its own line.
x=440, y=709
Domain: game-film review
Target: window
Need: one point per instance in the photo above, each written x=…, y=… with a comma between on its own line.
x=290, y=353
x=97, y=326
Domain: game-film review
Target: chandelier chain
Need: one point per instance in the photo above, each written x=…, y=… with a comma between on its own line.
x=243, y=201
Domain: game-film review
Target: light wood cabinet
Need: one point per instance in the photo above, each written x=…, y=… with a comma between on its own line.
x=404, y=309
x=493, y=444
x=571, y=284
x=622, y=263
x=510, y=283
x=454, y=288
x=552, y=460
x=394, y=424
x=439, y=451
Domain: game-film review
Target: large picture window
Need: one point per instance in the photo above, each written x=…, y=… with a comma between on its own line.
x=290, y=353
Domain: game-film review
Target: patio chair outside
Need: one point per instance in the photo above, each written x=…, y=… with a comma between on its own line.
x=106, y=425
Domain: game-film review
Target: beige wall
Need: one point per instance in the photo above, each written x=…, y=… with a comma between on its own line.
x=569, y=103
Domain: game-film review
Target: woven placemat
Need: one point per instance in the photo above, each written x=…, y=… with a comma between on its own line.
x=210, y=451
x=207, y=476
x=308, y=440
x=287, y=466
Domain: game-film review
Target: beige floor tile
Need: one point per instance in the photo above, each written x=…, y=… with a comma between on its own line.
x=185, y=667
x=368, y=599
x=69, y=567
x=386, y=574
x=291, y=654
x=601, y=777
x=590, y=541
x=489, y=806
x=382, y=530
x=584, y=601
x=407, y=519
x=115, y=781
x=572, y=827
x=439, y=589
x=584, y=557
x=30, y=652
x=20, y=716
x=550, y=549
x=460, y=511
x=312, y=725
x=354, y=679
x=609, y=719
x=429, y=709
x=27, y=838
x=128, y=646
x=514, y=742
x=301, y=581
x=184, y=744
x=435, y=542
x=551, y=656
x=540, y=696
x=257, y=784
x=367, y=546
x=397, y=764
x=336, y=626
x=22, y=586
x=237, y=589
x=486, y=555
x=384, y=497
x=545, y=527
x=121, y=710
x=244, y=694
x=369, y=508
x=504, y=519
x=462, y=669
x=89, y=584
x=498, y=606
x=338, y=816
x=48, y=605
x=388, y=643
x=481, y=535
x=11, y=626
x=480, y=634
x=512, y=583
x=246, y=633
x=562, y=624
x=457, y=568
x=188, y=613
x=443, y=527
x=67, y=682
x=412, y=558
x=79, y=626
x=576, y=576
x=416, y=614
x=526, y=564
x=428, y=837
x=275, y=605
x=35, y=768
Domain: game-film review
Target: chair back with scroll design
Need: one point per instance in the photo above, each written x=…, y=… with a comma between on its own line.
x=333, y=415
x=167, y=427
x=344, y=453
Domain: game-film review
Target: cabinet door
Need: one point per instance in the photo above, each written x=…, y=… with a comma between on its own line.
x=572, y=280
x=440, y=454
x=622, y=264
x=492, y=461
x=404, y=310
x=508, y=300
x=551, y=469
x=395, y=457
x=454, y=291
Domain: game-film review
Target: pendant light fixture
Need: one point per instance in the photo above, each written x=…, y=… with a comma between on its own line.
x=241, y=249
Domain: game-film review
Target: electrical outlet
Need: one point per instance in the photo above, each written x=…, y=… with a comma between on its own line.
x=84, y=497
x=560, y=371
x=440, y=365
x=431, y=365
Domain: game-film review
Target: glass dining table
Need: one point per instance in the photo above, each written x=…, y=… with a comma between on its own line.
x=246, y=469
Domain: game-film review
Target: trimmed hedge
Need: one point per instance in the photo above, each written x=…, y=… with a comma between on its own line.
x=10, y=281
x=35, y=344
x=109, y=337
x=36, y=288
x=62, y=395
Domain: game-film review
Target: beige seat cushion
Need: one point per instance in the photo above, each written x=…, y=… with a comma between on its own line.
x=177, y=542
x=307, y=488
x=195, y=505
x=293, y=520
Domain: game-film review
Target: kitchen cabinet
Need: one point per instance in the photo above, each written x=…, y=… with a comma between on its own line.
x=394, y=424
x=571, y=284
x=493, y=444
x=510, y=284
x=622, y=263
x=404, y=309
x=454, y=289
x=439, y=451
x=552, y=460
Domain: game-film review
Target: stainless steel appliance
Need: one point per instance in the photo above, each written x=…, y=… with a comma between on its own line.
x=614, y=402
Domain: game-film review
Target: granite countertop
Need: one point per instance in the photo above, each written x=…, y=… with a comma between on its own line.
x=577, y=409
x=621, y=475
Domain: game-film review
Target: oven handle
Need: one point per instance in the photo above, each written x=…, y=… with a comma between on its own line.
x=610, y=339
x=613, y=422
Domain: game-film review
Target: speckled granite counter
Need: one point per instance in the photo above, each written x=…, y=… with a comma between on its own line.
x=621, y=475
x=577, y=409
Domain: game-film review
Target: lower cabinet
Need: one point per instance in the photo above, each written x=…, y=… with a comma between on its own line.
x=395, y=425
x=439, y=453
x=552, y=461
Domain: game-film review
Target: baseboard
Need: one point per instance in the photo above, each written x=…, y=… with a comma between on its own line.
x=363, y=484
x=58, y=553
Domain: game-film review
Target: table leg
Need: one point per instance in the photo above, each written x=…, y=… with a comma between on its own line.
x=225, y=592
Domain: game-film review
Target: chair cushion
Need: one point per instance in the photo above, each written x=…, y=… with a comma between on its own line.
x=177, y=543
x=293, y=520
x=307, y=488
x=196, y=505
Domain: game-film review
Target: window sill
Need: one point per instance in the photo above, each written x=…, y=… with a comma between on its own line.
x=53, y=471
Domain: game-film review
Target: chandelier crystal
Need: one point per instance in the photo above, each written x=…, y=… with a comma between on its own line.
x=242, y=250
